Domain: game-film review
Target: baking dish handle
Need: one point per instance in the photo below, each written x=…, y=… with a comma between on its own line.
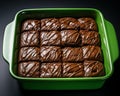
x=112, y=39
x=7, y=42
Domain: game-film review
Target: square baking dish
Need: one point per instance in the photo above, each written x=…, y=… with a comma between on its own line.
x=109, y=48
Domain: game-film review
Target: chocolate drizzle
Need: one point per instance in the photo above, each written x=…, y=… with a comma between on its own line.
x=29, y=25
x=72, y=54
x=63, y=47
x=50, y=54
x=29, y=38
x=28, y=69
x=50, y=38
x=48, y=24
x=29, y=53
x=68, y=23
x=73, y=70
x=93, y=68
x=50, y=70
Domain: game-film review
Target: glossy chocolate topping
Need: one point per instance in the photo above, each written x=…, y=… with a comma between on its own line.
x=89, y=37
x=28, y=25
x=28, y=69
x=50, y=54
x=50, y=38
x=50, y=70
x=68, y=23
x=87, y=23
x=29, y=53
x=72, y=54
x=70, y=37
x=73, y=70
x=29, y=38
x=92, y=53
x=48, y=24
x=93, y=68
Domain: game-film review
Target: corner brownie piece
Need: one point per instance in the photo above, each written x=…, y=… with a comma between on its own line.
x=92, y=53
x=89, y=37
x=49, y=70
x=30, y=24
x=29, y=38
x=68, y=23
x=50, y=38
x=29, y=69
x=87, y=23
x=48, y=24
x=73, y=70
x=29, y=53
x=70, y=54
x=93, y=68
x=50, y=54
x=70, y=37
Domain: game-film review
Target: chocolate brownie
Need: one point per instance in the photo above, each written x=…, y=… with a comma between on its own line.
x=50, y=54
x=92, y=53
x=89, y=37
x=87, y=23
x=73, y=70
x=70, y=54
x=93, y=68
x=68, y=23
x=49, y=70
x=29, y=53
x=50, y=38
x=29, y=38
x=70, y=37
x=48, y=24
x=29, y=69
x=30, y=24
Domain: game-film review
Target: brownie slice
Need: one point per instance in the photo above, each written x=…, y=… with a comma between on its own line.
x=92, y=53
x=30, y=24
x=73, y=70
x=87, y=23
x=29, y=38
x=68, y=23
x=93, y=68
x=70, y=37
x=48, y=24
x=50, y=38
x=89, y=37
x=49, y=70
x=29, y=53
x=50, y=54
x=29, y=69
x=72, y=54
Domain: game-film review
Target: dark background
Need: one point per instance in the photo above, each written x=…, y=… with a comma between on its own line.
x=9, y=86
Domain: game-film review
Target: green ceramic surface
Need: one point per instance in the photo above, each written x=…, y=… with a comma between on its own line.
x=109, y=48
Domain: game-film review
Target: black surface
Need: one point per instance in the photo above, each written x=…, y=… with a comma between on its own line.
x=10, y=87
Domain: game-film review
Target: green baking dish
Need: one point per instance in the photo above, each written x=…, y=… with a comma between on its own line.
x=109, y=47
